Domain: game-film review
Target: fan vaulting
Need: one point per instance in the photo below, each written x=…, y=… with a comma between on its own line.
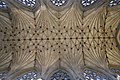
x=59, y=39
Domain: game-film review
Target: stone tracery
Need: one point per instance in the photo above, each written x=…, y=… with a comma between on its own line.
x=88, y=2
x=3, y=4
x=58, y=2
x=40, y=40
x=114, y=2
x=28, y=76
x=29, y=3
x=60, y=75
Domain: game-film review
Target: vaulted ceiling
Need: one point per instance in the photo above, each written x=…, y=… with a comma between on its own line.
x=46, y=37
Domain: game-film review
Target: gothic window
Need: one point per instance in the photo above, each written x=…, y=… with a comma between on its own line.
x=40, y=79
x=87, y=2
x=2, y=75
x=58, y=2
x=117, y=71
x=60, y=75
x=3, y=4
x=29, y=3
x=28, y=76
x=114, y=2
x=92, y=75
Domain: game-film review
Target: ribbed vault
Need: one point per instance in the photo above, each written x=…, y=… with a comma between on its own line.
x=72, y=39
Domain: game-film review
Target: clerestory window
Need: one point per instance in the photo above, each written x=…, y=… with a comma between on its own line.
x=87, y=2
x=114, y=3
x=58, y=2
x=29, y=3
x=60, y=75
x=28, y=76
x=3, y=4
x=94, y=75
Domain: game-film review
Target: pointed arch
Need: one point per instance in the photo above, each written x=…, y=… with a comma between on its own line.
x=90, y=74
x=114, y=3
x=87, y=2
x=32, y=75
x=29, y=3
x=60, y=75
x=3, y=4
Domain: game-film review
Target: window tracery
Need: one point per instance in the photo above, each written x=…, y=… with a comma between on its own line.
x=117, y=71
x=87, y=2
x=60, y=75
x=2, y=75
x=28, y=76
x=58, y=2
x=114, y=3
x=29, y=3
x=3, y=4
x=92, y=75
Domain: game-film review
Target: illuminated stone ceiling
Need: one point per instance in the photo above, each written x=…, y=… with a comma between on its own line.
x=45, y=38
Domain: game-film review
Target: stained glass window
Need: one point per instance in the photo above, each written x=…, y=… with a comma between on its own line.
x=114, y=3
x=29, y=3
x=92, y=75
x=28, y=76
x=60, y=75
x=87, y=2
x=3, y=4
x=2, y=75
x=58, y=2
